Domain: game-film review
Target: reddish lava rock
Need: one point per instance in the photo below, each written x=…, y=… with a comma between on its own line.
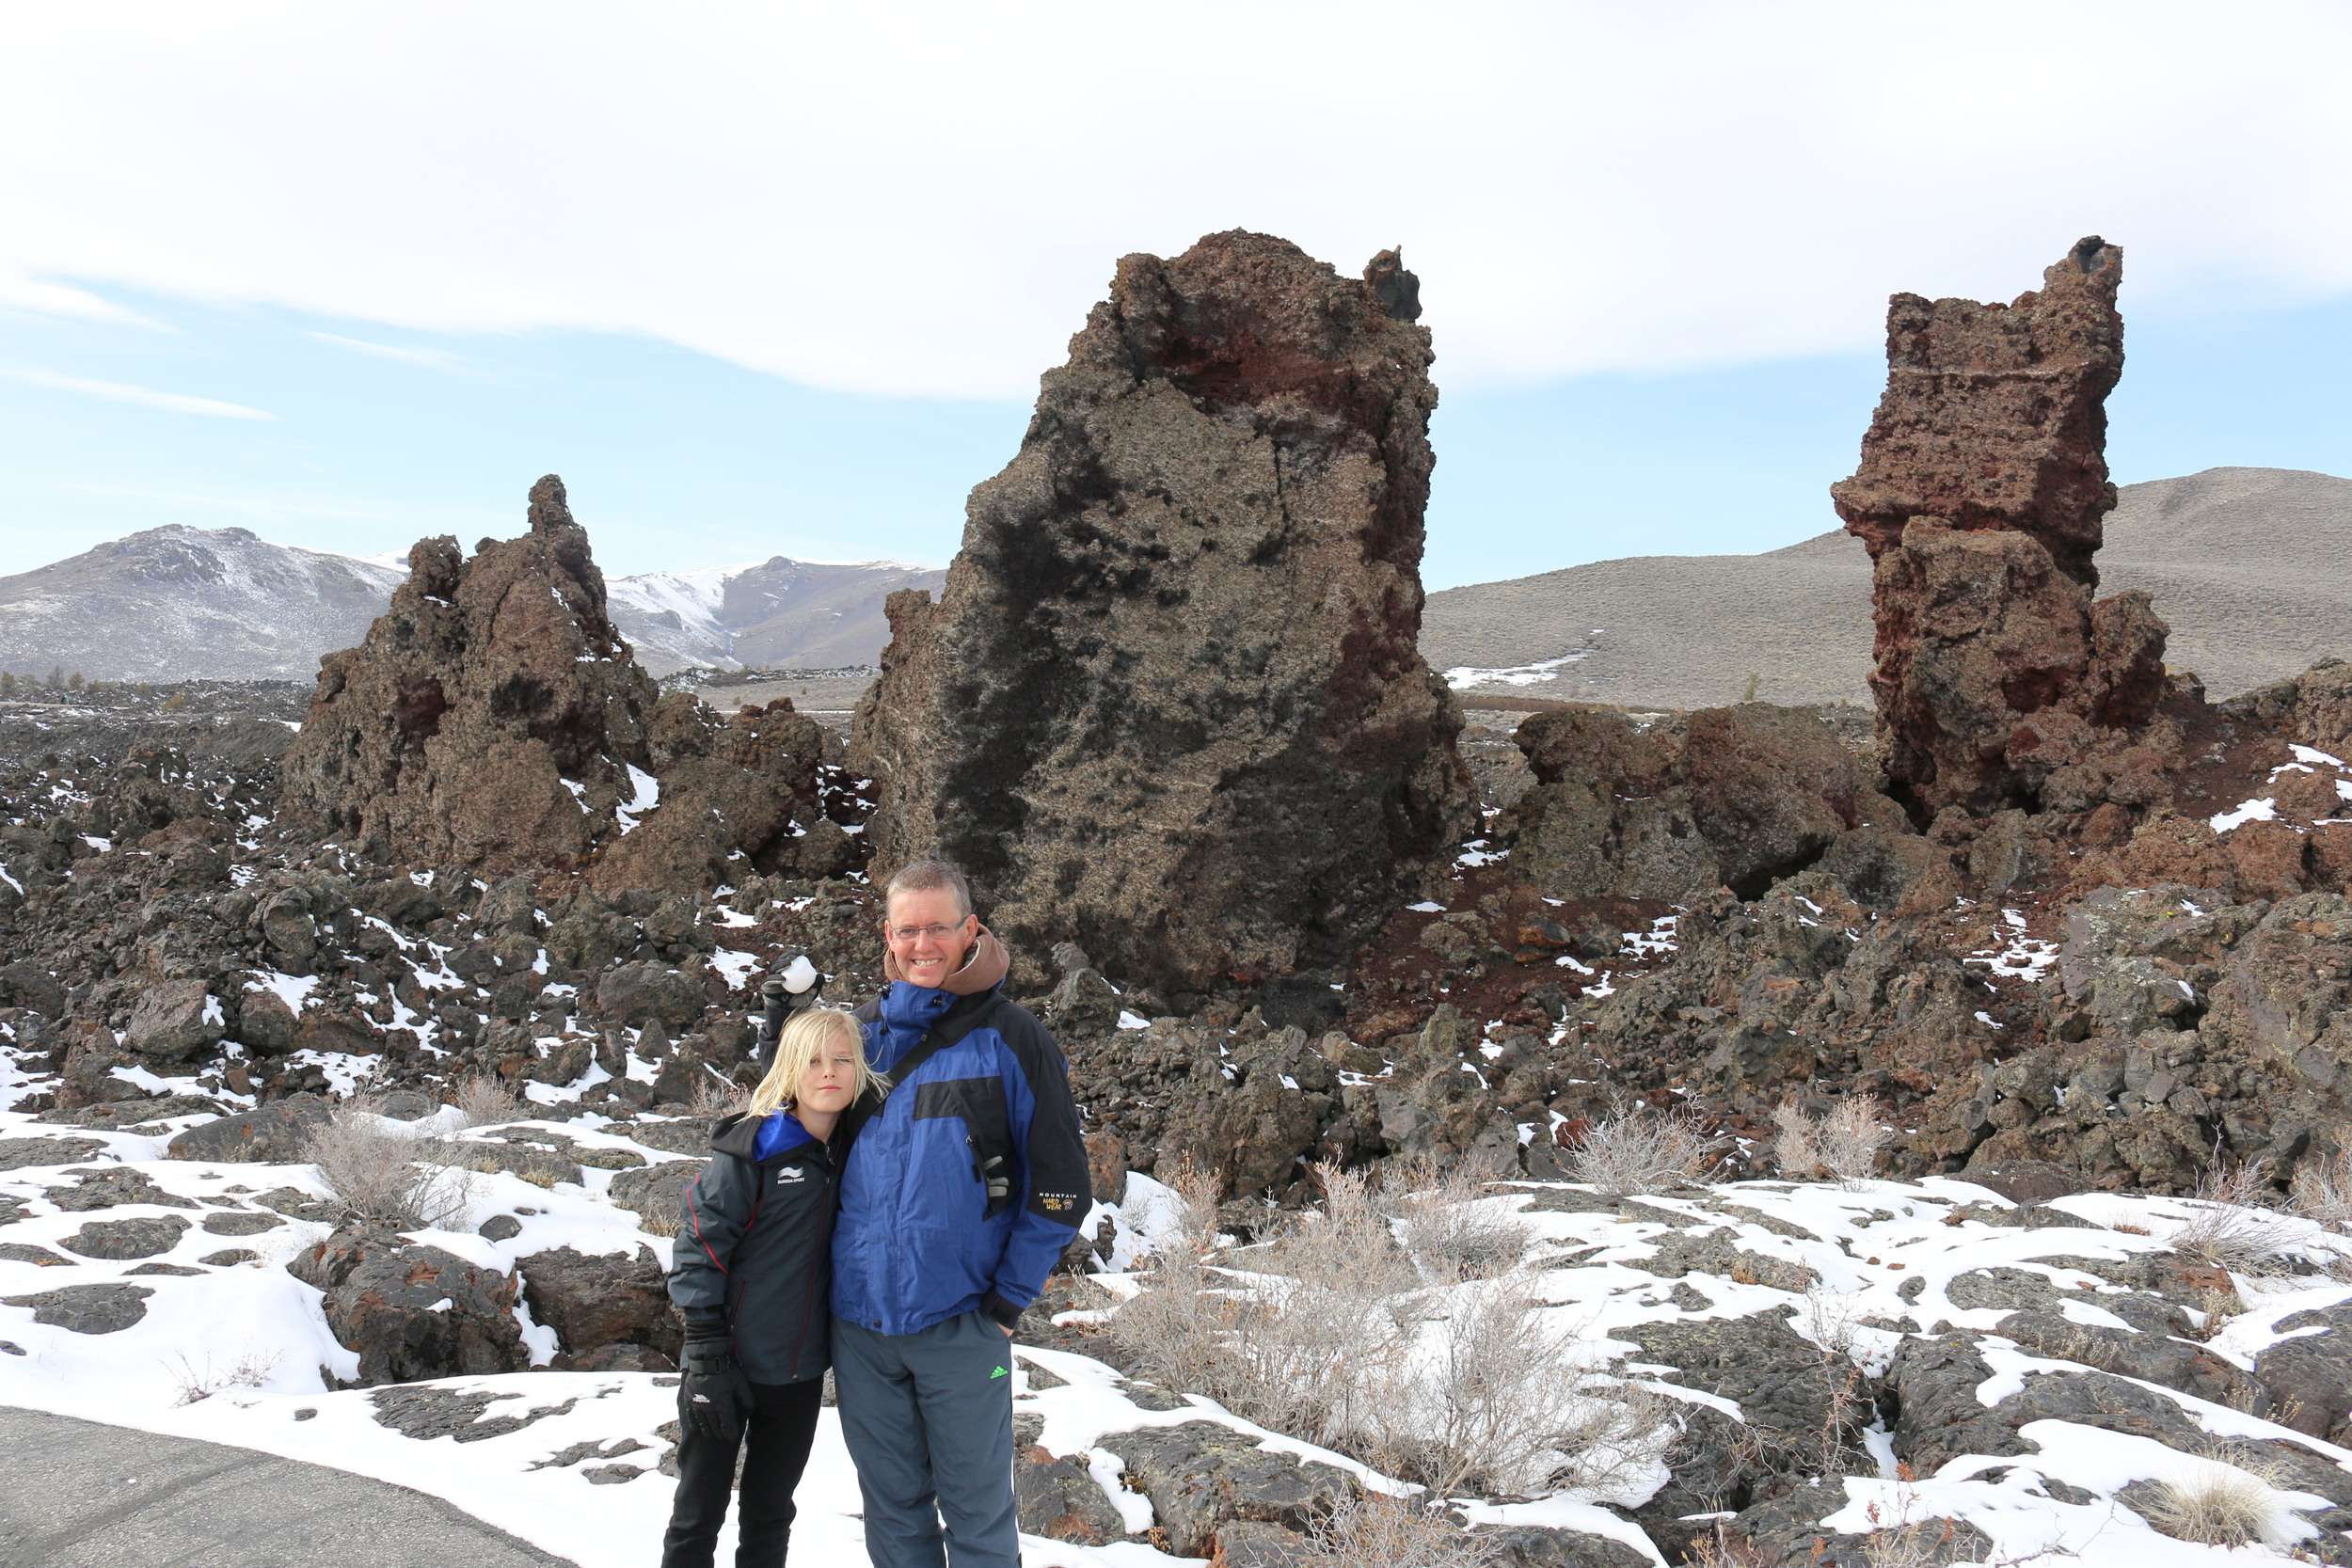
x=1981, y=496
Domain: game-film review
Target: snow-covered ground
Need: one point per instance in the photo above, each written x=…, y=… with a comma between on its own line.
x=239, y=1352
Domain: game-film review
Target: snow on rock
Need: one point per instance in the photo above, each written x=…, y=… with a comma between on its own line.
x=2263, y=809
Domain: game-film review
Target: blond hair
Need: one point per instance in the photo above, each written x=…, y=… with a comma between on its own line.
x=797, y=1045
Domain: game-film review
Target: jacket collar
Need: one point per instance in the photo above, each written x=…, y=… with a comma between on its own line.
x=738, y=1133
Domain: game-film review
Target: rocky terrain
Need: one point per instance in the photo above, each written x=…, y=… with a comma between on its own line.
x=2081, y=996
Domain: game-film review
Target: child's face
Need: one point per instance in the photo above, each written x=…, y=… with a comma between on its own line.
x=830, y=1081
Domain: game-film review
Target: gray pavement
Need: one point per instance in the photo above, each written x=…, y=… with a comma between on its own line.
x=68, y=1499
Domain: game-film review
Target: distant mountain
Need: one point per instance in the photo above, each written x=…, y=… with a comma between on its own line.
x=180, y=603
x=2251, y=567
x=189, y=603
x=777, y=613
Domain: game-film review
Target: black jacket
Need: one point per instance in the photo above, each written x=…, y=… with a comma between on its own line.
x=753, y=1249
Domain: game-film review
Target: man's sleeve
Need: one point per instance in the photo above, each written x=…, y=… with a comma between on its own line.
x=712, y=1216
x=1055, y=1187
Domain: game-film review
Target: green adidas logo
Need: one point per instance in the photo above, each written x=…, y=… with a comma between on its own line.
x=1001, y=1372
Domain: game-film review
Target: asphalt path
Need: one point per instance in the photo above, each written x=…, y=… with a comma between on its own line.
x=77, y=1493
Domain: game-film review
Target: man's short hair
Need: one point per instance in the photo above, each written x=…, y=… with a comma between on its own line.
x=929, y=877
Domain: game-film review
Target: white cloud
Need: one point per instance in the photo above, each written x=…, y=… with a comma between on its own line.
x=926, y=197
x=146, y=396
x=60, y=299
x=428, y=359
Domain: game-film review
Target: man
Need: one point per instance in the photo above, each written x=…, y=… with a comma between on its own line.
x=959, y=1195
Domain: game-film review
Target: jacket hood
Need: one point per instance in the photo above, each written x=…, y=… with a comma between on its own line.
x=983, y=970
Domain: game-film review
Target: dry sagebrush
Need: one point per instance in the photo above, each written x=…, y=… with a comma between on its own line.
x=1448, y=1226
x=2323, y=1189
x=1336, y=1333
x=485, y=1102
x=1370, y=1530
x=1631, y=1152
x=1840, y=1144
x=390, y=1177
x=2232, y=1225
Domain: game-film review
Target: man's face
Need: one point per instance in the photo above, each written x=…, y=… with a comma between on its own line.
x=927, y=935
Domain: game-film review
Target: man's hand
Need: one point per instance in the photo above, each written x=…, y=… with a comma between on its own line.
x=713, y=1395
x=1007, y=1331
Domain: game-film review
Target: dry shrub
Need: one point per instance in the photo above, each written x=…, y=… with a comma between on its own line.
x=1718, y=1550
x=485, y=1102
x=1448, y=1227
x=250, y=1370
x=2233, y=1228
x=1842, y=1143
x=387, y=1177
x=2219, y=1506
x=1642, y=1150
x=1283, y=1346
x=1371, y=1531
x=714, y=1097
x=2218, y=1306
x=2323, y=1189
x=1333, y=1338
x=1486, y=1401
x=1830, y=1319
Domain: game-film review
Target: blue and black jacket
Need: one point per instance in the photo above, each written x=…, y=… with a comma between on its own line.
x=963, y=1190
x=753, y=1253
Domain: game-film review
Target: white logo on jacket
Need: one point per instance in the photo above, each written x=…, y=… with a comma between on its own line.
x=790, y=1173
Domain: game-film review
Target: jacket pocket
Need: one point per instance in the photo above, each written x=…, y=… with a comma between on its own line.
x=980, y=1102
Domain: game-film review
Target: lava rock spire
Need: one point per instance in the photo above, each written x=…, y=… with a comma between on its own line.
x=1169, y=705
x=1981, y=495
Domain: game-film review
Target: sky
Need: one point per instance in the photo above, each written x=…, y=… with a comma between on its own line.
x=781, y=279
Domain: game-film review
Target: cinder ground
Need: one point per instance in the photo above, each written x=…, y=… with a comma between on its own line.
x=78, y=1495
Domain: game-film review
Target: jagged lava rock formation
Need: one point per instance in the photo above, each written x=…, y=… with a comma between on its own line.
x=1169, y=704
x=1982, y=487
x=494, y=718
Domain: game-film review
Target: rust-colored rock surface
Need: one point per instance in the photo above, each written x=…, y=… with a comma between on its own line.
x=493, y=718
x=1169, y=705
x=1981, y=495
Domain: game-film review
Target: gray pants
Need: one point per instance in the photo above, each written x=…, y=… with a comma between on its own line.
x=928, y=1418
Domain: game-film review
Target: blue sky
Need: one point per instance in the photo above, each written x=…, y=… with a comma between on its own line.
x=679, y=459
x=780, y=277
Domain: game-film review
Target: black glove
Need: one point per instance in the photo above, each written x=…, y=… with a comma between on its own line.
x=713, y=1395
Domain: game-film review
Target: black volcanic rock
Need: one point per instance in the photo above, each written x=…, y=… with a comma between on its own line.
x=1169, y=705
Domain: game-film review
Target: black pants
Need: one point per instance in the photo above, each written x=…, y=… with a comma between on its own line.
x=775, y=1442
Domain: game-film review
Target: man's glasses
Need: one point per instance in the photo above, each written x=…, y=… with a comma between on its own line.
x=937, y=933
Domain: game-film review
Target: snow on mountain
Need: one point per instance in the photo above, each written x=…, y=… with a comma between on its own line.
x=179, y=603
x=176, y=603
x=778, y=613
